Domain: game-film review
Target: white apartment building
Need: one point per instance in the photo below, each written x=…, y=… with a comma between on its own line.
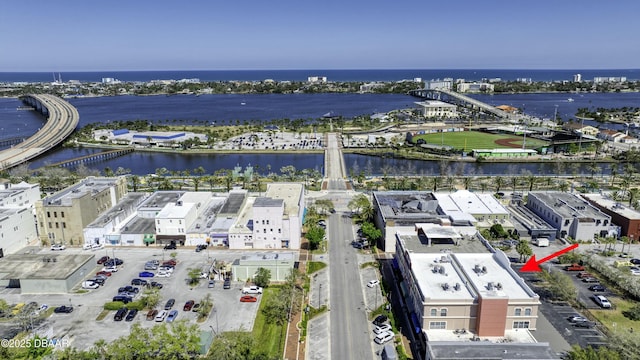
x=175, y=218
x=475, y=87
x=17, y=216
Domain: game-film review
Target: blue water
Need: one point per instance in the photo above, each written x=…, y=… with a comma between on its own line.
x=332, y=75
x=227, y=109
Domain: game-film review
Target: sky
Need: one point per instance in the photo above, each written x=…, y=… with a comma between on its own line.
x=80, y=35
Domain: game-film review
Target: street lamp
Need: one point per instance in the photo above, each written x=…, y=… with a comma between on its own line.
x=215, y=311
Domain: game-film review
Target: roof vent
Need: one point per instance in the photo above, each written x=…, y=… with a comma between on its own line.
x=490, y=286
x=499, y=286
x=441, y=270
x=477, y=269
x=445, y=286
x=484, y=269
x=457, y=287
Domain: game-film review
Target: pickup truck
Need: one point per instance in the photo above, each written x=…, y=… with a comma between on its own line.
x=252, y=290
x=574, y=267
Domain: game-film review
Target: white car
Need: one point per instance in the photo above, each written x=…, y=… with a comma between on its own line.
x=383, y=337
x=87, y=246
x=634, y=270
x=602, y=301
x=89, y=285
x=168, y=269
x=58, y=247
x=373, y=283
x=111, y=269
x=382, y=328
x=97, y=246
x=161, y=315
x=163, y=274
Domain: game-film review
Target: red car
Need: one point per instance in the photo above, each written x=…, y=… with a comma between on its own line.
x=188, y=305
x=248, y=298
x=103, y=259
x=170, y=262
x=105, y=273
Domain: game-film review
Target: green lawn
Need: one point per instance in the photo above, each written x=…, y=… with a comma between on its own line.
x=269, y=338
x=313, y=266
x=475, y=140
x=613, y=319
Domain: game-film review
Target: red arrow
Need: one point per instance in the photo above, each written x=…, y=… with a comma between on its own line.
x=534, y=266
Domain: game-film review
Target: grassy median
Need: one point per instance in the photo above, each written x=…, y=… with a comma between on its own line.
x=269, y=337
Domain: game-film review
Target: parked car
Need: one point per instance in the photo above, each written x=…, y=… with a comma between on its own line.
x=379, y=320
x=167, y=268
x=196, y=307
x=114, y=262
x=227, y=284
x=110, y=269
x=252, y=290
x=86, y=246
x=602, y=301
x=169, y=304
x=172, y=315
x=634, y=270
x=147, y=274
x=576, y=318
x=103, y=259
x=156, y=285
x=212, y=284
x=97, y=280
x=248, y=298
x=382, y=328
x=129, y=289
x=597, y=288
x=161, y=315
x=590, y=280
x=123, y=298
x=163, y=274
x=131, y=315
x=373, y=283
x=171, y=246
x=201, y=247
x=63, y=309
x=120, y=314
x=105, y=273
x=97, y=246
x=152, y=314
x=383, y=337
x=57, y=247
x=149, y=266
x=90, y=285
x=574, y=267
x=170, y=262
x=635, y=261
x=584, y=274
x=188, y=305
x=139, y=282
x=585, y=324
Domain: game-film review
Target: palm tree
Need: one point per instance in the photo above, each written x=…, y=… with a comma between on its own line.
x=633, y=196
x=531, y=181
x=499, y=181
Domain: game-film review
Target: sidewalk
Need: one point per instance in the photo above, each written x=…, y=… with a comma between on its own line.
x=318, y=344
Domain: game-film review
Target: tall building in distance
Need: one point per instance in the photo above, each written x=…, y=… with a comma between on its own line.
x=577, y=78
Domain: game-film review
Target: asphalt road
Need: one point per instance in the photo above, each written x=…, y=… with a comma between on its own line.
x=349, y=326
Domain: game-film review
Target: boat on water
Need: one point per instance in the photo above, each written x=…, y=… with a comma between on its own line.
x=570, y=100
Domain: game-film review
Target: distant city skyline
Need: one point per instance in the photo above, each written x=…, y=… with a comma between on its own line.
x=39, y=35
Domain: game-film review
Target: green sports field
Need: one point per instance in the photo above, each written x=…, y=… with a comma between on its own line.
x=468, y=140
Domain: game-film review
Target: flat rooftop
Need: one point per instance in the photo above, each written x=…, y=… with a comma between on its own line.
x=483, y=350
x=139, y=225
x=174, y=211
x=269, y=256
x=438, y=279
x=246, y=214
x=472, y=203
x=492, y=277
x=125, y=205
x=418, y=244
x=605, y=200
x=234, y=202
x=207, y=217
x=290, y=193
x=159, y=199
x=53, y=266
x=510, y=336
x=569, y=205
x=408, y=207
x=529, y=219
x=6, y=212
x=89, y=185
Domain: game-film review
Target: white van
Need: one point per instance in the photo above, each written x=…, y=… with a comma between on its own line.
x=540, y=242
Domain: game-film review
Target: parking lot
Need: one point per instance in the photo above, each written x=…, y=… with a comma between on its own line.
x=82, y=327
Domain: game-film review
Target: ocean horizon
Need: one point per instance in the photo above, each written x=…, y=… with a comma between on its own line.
x=355, y=75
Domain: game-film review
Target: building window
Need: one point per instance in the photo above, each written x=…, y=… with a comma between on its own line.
x=527, y=312
x=61, y=213
x=57, y=226
x=262, y=222
x=433, y=325
x=518, y=312
x=64, y=225
x=55, y=214
x=48, y=214
x=265, y=231
x=279, y=231
x=520, y=324
x=50, y=226
x=443, y=312
x=434, y=312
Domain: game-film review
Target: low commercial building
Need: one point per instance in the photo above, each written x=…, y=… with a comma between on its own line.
x=446, y=292
x=464, y=207
x=473, y=350
x=437, y=109
x=273, y=221
x=45, y=273
x=63, y=216
x=279, y=265
x=622, y=215
x=176, y=217
x=155, y=138
x=503, y=153
x=570, y=215
x=110, y=223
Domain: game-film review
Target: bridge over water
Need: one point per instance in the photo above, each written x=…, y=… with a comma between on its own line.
x=101, y=156
x=453, y=97
x=62, y=119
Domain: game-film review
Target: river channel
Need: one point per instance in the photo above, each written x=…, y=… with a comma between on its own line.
x=229, y=109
